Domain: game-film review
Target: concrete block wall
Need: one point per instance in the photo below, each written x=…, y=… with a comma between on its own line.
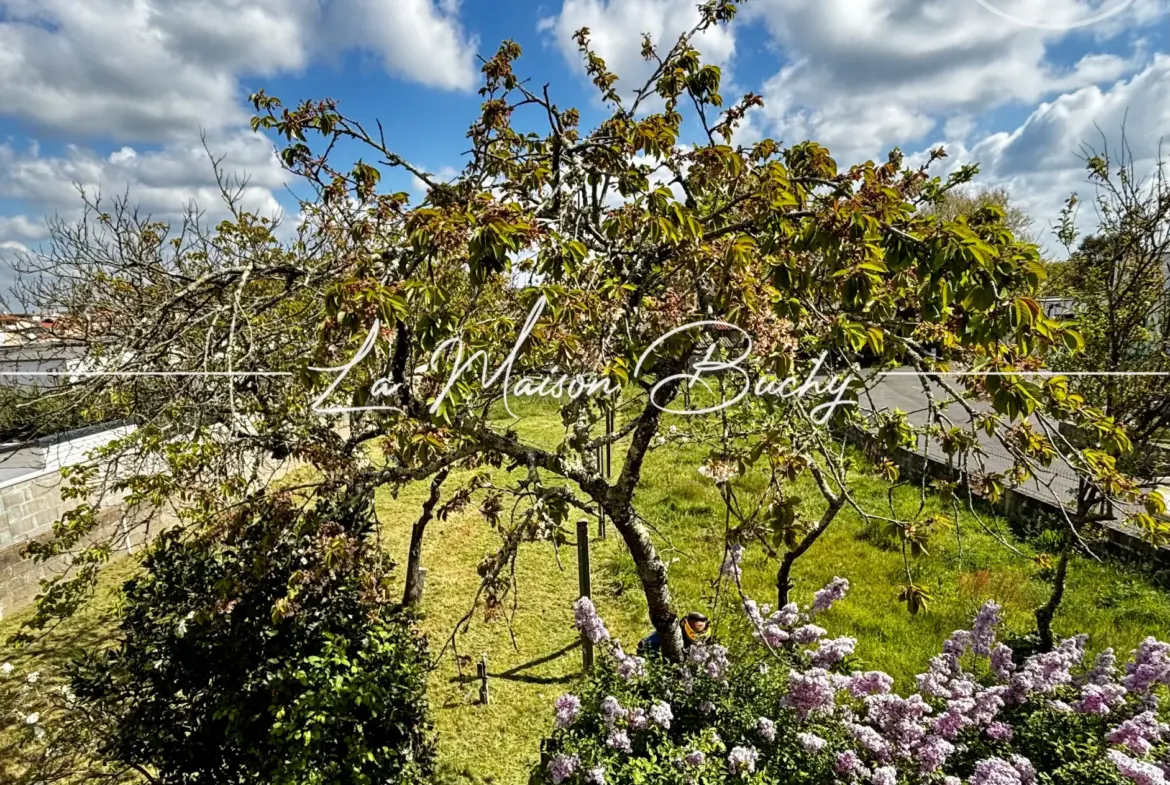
x=31, y=503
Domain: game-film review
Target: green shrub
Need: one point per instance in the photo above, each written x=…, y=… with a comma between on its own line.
x=268, y=652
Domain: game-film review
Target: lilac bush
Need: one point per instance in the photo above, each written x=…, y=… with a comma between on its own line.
x=788, y=707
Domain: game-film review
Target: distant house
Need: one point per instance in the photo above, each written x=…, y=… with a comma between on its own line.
x=38, y=363
x=22, y=329
x=1058, y=307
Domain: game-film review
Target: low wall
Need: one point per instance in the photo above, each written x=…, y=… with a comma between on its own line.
x=1027, y=512
x=31, y=503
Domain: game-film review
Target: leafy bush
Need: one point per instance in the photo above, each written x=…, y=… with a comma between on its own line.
x=266, y=653
x=788, y=709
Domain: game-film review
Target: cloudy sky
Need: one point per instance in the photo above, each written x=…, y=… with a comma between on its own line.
x=115, y=94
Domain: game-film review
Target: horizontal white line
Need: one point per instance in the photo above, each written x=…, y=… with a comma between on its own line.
x=881, y=373
x=1023, y=373
x=145, y=373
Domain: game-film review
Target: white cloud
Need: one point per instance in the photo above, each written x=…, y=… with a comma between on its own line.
x=17, y=228
x=863, y=75
x=148, y=70
x=1041, y=161
x=616, y=28
x=161, y=182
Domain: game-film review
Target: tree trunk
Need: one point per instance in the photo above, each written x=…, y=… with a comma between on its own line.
x=413, y=591
x=784, y=583
x=784, y=574
x=652, y=574
x=1045, y=612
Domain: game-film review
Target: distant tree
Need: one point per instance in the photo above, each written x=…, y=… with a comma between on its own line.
x=627, y=235
x=1118, y=281
x=958, y=202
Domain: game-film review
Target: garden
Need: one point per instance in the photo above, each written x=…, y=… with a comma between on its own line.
x=404, y=600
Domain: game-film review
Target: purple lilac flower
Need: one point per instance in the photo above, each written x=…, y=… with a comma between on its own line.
x=742, y=760
x=1001, y=662
x=562, y=767
x=983, y=630
x=595, y=776
x=612, y=711
x=787, y=616
x=1100, y=699
x=1000, y=731
x=1024, y=768
x=951, y=781
x=988, y=702
x=898, y=719
x=568, y=708
x=1043, y=673
x=661, y=714
x=936, y=681
x=1150, y=666
x=809, y=633
x=1140, y=772
x=886, y=775
x=996, y=771
x=833, y=592
x=810, y=692
x=959, y=643
x=695, y=758
x=638, y=720
x=869, y=683
x=1139, y=734
x=932, y=753
x=832, y=651
x=774, y=636
x=619, y=740
x=766, y=728
x=717, y=662
x=706, y=707
x=629, y=666
x=849, y=765
x=1104, y=668
x=952, y=722
x=871, y=741
x=810, y=742
x=588, y=622
x=733, y=562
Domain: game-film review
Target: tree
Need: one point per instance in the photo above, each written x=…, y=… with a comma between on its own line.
x=960, y=202
x=423, y=333
x=1119, y=282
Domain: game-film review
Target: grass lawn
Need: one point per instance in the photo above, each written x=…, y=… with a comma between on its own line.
x=498, y=743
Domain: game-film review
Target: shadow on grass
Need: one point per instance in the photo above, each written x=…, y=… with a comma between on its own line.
x=516, y=674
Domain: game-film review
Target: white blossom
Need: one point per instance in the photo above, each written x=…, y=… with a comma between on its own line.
x=719, y=471
x=32, y=719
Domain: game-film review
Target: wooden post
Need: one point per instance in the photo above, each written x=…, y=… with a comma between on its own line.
x=609, y=417
x=483, y=679
x=584, y=584
x=605, y=467
x=600, y=509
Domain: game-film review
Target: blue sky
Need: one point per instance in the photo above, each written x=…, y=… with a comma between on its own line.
x=113, y=94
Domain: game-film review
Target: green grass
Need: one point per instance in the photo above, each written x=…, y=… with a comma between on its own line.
x=498, y=743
